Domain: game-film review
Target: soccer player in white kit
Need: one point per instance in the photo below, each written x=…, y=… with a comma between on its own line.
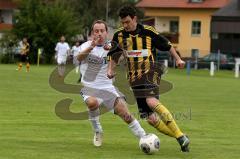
x=98, y=88
x=62, y=50
x=75, y=50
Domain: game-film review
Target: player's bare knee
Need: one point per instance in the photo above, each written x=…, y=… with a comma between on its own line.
x=119, y=106
x=149, y=101
x=92, y=103
x=152, y=101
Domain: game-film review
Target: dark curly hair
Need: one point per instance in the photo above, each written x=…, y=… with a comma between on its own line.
x=127, y=11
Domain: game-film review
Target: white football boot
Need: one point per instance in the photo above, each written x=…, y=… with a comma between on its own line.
x=97, y=139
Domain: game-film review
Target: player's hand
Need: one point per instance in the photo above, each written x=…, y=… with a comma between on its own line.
x=111, y=74
x=107, y=46
x=95, y=41
x=180, y=63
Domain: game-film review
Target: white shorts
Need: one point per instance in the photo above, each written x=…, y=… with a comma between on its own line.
x=106, y=97
x=61, y=60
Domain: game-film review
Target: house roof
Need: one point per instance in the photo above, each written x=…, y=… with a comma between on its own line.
x=208, y=4
x=230, y=10
x=7, y=4
x=5, y=26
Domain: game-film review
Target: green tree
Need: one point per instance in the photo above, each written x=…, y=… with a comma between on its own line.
x=8, y=47
x=90, y=10
x=43, y=23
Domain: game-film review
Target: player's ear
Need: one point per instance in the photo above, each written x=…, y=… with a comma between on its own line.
x=135, y=18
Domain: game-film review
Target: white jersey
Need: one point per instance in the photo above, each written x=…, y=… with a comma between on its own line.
x=75, y=50
x=62, y=49
x=94, y=68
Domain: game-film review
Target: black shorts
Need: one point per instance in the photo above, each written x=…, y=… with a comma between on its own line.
x=141, y=93
x=147, y=86
x=23, y=58
x=143, y=109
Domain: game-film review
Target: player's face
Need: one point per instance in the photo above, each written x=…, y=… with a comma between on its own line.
x=129, y=23
x=100, y=32
x=62, y=39
x=24, y=40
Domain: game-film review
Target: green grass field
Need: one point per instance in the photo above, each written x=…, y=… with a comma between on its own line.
x=206, y=108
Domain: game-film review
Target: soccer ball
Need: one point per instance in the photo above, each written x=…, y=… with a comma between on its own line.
x=149, y=144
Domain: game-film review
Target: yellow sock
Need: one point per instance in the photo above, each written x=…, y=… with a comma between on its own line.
x=19, y=66
x=161, y=127
x=167, y=118
x=28, y=67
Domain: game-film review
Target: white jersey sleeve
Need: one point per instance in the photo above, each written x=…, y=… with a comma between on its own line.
x=85, y=46
x=68, y=47
x=72, y=50
x=57, y=47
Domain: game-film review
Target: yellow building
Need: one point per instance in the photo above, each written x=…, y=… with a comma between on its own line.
x=186, y=23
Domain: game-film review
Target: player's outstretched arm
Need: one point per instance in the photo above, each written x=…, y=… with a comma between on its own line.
x=110, y=71
x=83, y=54
x=180, y=63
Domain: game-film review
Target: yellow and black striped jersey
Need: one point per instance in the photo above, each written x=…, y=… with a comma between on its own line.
x=139, y=49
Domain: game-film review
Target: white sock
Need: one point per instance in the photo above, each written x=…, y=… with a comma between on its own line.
x=94, y=118
x=77, y=69
x=136, y=129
